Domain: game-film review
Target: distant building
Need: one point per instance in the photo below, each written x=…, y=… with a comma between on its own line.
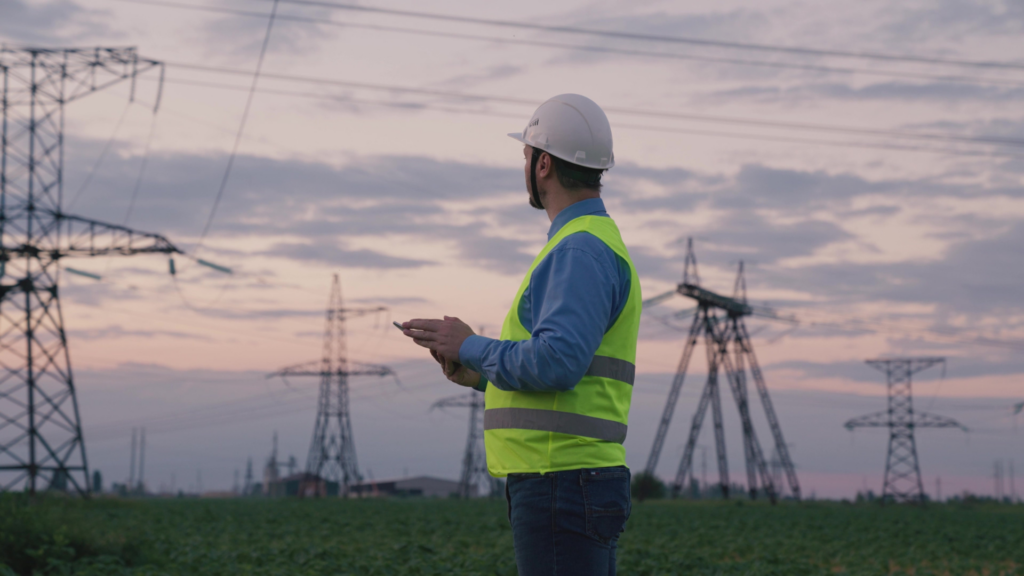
x=426, y=486
x=302, y=484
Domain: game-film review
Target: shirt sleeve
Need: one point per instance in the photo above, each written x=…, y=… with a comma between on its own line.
x=572, y=293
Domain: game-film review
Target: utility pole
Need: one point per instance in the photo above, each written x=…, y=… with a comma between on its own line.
x=474, y=458
x=997, y=479
x=142, y=462
x=718, y=320
x=332, y=452
x=1013, y=489
x=131, y=470
x=41, y=441
x=902, y=472
x=247, y=488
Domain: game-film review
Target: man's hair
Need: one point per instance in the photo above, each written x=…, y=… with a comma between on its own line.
x=575, y=177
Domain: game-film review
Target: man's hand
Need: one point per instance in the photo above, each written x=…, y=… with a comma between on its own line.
x=445, y=337
x=464, y=377
x=447, y=366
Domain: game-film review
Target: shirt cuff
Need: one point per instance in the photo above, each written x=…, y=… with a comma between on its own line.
x=472, y=351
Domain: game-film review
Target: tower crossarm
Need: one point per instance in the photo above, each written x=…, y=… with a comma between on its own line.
x=876, y=420
x=357, y=312
x=67, y=74
x=911, y=366
x=313, y=368
x=75, y=236
x=928, y=420
x=706, y=297
x=921, y=420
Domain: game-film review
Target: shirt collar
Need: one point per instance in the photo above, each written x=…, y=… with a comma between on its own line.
x=588, y=207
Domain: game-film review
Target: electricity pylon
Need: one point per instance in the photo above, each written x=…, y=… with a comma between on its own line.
x=41, y=442
x=718, y=320
x=474, y=460
x=902, y=472
x=332, y=452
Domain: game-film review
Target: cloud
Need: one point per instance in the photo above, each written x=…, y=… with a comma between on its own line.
x=49, y=23
x=760, y=213
x=337, y=256
x=737, y=25
x=758, y=240
x=886, y=91
x=117, y=331
x=504, y=255
x=979, y=276
x=241, y=37
x=476, y=78
x=393, y=301
x=955, y=19
x=266, y=196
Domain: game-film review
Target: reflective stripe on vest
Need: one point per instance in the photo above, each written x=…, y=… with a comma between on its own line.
x=614, y=368
x=553, y=421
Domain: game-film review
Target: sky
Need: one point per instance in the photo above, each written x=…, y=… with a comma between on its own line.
x=376, y=149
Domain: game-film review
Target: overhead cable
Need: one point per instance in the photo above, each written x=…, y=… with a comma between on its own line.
x=594, y=48
x=800, y=50
x=619, y=110
x=101, y=157
x=664, y=129
x=241, y=130
x=142, y=171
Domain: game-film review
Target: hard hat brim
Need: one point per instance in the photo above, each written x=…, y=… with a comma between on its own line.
x=519, y=136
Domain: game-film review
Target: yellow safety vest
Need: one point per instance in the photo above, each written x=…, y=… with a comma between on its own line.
x=583, y=427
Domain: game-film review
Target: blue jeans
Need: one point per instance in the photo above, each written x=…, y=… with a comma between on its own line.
x=567, y=523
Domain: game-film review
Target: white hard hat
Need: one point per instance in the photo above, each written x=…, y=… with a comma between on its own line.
x=573, y=128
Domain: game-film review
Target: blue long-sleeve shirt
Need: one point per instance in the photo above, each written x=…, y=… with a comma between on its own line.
x=575, y=295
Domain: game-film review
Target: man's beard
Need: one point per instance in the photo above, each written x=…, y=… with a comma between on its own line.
x=536, y=200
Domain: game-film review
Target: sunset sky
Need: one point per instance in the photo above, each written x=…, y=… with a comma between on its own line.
x=878, y=243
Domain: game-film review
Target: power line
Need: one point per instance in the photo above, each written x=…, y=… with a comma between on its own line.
x=800, y=50
x=591, y=48
x=992, y=140
x=241, y=129
x=142, y=171
x=101, y=157
x=494, y=114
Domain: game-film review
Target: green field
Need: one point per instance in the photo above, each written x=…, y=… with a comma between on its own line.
x=416, y=536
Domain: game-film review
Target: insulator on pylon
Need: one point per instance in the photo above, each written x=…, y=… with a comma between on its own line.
x=216, y=267
x=82, y=273
x=170, y=263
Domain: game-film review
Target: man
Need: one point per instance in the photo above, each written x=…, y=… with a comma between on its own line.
x=558, y=382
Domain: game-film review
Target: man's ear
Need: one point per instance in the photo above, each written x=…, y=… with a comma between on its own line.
x=544, y=165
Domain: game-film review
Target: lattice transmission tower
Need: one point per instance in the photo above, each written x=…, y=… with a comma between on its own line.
x=902, y=481
x=41, y=442
x=718, y=321
x=332, y=451
x=474, y=475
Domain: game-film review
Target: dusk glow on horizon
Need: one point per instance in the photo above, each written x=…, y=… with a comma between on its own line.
x=877, y=202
